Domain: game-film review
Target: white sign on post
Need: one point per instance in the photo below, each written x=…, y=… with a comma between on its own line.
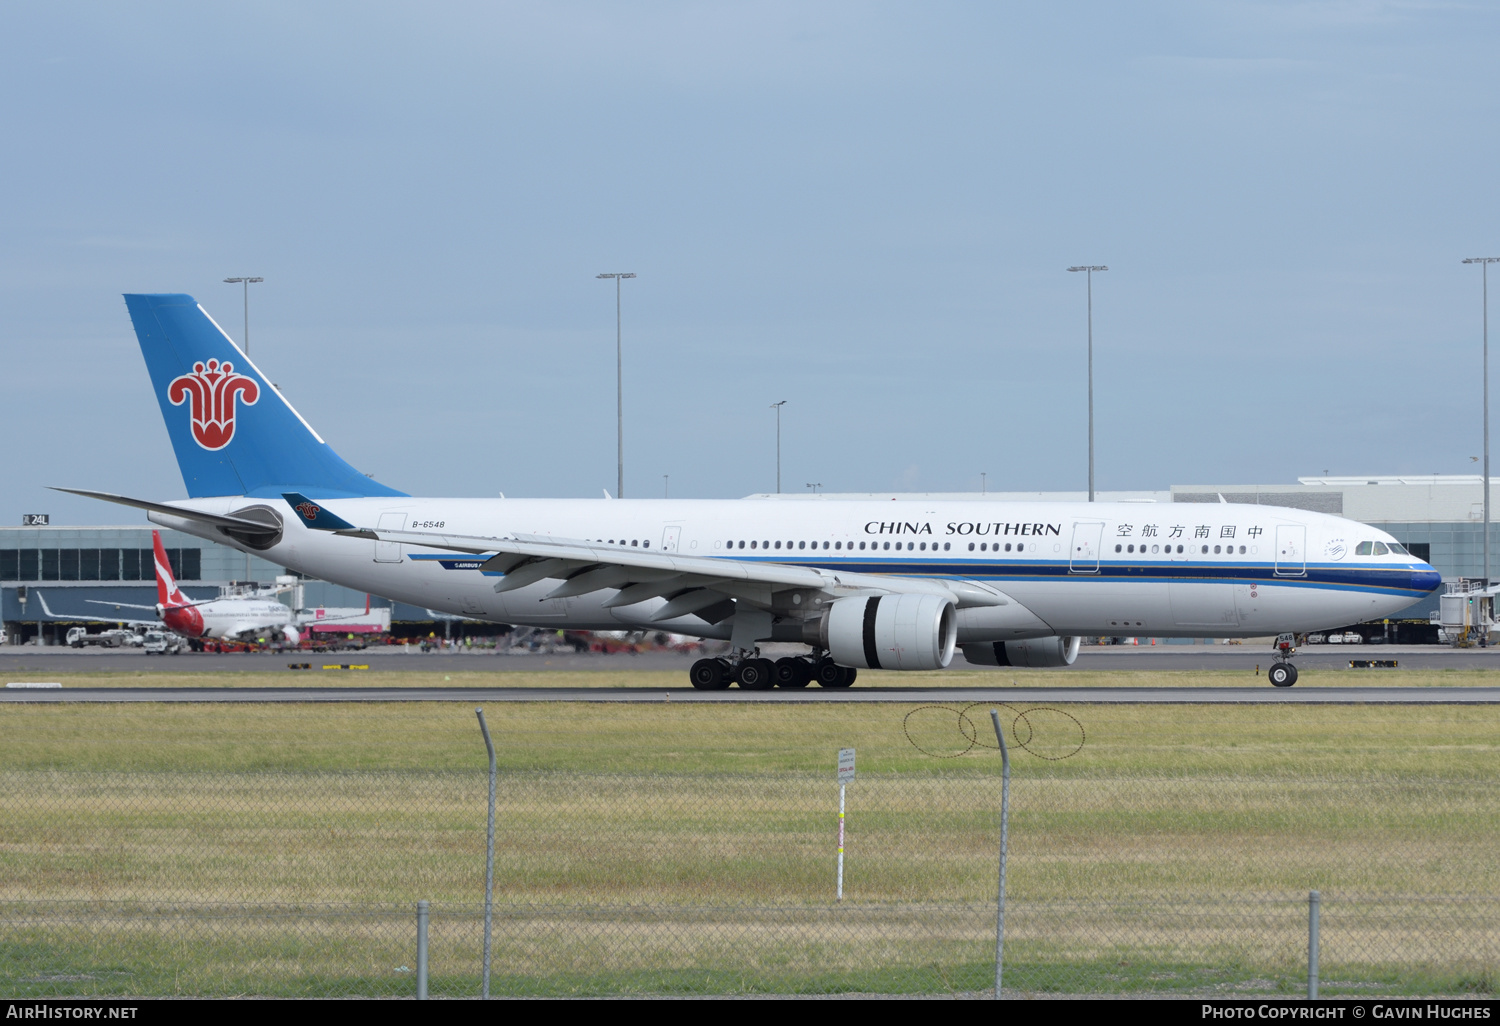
x=846, y=774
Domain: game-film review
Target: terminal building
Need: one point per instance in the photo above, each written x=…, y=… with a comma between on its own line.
x=53, y=576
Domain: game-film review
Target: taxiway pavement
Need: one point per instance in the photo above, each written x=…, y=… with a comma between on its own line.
x=1263, y=695
x=17, y=659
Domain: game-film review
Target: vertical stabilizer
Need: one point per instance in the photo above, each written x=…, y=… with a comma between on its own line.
x=233, y=432
x=167, y=594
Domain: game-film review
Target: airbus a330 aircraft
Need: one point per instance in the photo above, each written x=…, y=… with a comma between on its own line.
x=231, y=618
x=892, y=585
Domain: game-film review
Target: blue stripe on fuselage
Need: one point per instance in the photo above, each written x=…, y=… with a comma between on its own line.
x=1405, y=579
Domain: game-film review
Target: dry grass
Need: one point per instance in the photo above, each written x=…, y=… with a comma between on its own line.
x=708, y=804
x=651, y=848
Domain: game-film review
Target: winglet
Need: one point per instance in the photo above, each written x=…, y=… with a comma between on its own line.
x=314, y=515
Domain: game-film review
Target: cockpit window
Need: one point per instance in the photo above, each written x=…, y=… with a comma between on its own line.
x=1364, y=548
x=1380, y=549
x=1398, y=548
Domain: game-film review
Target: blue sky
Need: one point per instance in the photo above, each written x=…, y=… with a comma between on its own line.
x=864, y=209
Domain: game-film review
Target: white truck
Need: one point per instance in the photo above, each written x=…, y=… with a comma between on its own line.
x=162, y=643
x=79, y=637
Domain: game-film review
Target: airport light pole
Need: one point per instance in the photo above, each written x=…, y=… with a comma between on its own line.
x=1484, y=266
x=777, y=407
x=619, y=387
x=246, y=282
x=1090, y=269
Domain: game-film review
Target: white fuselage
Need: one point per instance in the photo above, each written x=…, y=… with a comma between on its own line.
x=1070, y=568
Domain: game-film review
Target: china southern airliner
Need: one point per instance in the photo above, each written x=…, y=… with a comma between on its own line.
x=894, y=585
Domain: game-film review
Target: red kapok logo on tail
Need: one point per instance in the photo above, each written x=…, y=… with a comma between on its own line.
x=308, y=510
x=211, y=393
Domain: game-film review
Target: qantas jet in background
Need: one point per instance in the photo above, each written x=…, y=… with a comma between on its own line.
x=890, y=585
x=229, y=618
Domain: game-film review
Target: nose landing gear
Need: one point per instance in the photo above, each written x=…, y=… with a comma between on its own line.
x=1282, y=673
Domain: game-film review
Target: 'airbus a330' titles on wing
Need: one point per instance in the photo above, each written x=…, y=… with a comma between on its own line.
x=881, y=585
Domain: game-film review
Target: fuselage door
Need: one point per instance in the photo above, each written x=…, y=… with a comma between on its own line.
x=1083, y=557
x=1291, y=550
x=670, y=537
x=390, y=552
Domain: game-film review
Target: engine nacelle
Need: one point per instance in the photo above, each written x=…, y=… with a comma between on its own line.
x=1036, y=652
x=891, y=632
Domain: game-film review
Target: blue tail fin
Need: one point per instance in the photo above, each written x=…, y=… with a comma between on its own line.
x=233, y=432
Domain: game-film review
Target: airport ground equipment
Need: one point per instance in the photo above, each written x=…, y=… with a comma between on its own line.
x=162, y=643
x=1466, y=613
x=79, y=637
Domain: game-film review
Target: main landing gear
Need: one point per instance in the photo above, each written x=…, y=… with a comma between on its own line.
x=753, y=673
x=1282, y=673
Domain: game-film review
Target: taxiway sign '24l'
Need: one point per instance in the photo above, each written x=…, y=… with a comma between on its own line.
x=228, y=618
x=892, y=585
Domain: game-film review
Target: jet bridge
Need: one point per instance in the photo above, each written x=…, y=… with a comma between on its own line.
x=1466, y=614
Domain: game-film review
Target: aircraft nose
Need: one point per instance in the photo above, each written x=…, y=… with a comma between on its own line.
x=1425, y=578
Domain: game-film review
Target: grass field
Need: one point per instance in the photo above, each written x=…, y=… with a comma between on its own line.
x=1153, y=847
x=676, y=679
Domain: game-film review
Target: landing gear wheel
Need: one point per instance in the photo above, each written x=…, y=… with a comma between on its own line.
x=709, y=675
x=1282, y=675
x=756, y=675
x=792, y=672
x=831, y=675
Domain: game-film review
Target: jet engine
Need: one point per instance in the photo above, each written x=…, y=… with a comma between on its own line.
x=290, y=635
x=890, y=632
x=1036, y=652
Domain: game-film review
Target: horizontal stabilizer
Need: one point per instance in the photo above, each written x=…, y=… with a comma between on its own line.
x=236, y=524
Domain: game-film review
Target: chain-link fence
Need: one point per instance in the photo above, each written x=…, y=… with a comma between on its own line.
x=683, y=850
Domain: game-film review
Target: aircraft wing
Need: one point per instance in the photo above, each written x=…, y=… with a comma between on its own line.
x=691, y=583
x=97, y=619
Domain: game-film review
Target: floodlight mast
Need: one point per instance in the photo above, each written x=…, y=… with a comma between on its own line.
x=246, y=282
x=619, y=387
x=1090, y=269
x=777, y=407
x=1484, y=265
